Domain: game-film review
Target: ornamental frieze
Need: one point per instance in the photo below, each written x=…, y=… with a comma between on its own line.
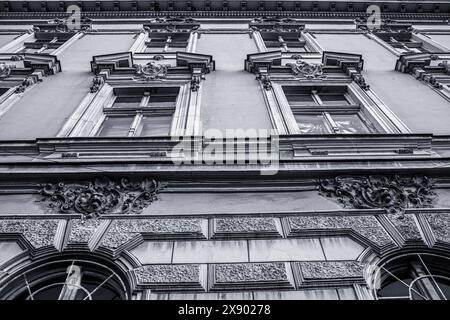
x=393, y=194
x=101, y=196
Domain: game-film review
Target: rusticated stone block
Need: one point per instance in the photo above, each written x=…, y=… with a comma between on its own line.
x=331, y=269
x=40, y=233
x=82, y=230
x=406, y=227
x=246, y=227
x=366, y=226
x=123, y=230
x=440, y=224
x=176, y=276
x=114, y=240
x=252, y=275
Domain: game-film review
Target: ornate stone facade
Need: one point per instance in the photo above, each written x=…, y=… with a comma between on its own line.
x=335, y=162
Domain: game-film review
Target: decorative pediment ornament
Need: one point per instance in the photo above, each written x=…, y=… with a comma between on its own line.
x=152, y=71
x=266, y=19
x=170, y=19
x=306, y=70
x=101, y=196
x=276, y=24
x=393, y=194
x=5, y=70
x=385, y=25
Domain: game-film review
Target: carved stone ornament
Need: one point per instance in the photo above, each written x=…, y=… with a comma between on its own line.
x=25, y=84
x=360, y=81
x=393, y=194
x=195, y=82
x=264, y=78
x=444, y=64
x=5, y=70
x=61, y=25
x=306, y=70
x=152, y=71
x=102, y=196
x=268, y=19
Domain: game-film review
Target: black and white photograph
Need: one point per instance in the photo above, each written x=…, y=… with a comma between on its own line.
x=243, y=152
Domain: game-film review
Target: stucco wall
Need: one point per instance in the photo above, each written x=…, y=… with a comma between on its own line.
x=232, y=98
x=418, y=106
x=58, y=95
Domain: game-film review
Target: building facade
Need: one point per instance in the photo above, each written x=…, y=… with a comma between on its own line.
x=224, y=150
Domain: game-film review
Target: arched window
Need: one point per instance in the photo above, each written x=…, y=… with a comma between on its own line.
x=66, y=280
x=413, y=276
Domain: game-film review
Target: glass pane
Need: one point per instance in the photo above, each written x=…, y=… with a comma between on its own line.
x=116, y=127
x=311, y=124
x=156, y=125
x=350, y=123
x=300, y=99
x=396, y=288
x=127, y=102
x=333, y=99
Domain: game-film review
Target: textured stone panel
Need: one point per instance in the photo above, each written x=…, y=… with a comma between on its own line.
x=123, y=230
x=82, y=230
x=171, y=276
x=406, y=227
x=366, y=226
x=331, y=269
x=40, y=233
x=440, y=224
x=252, y=275
x=245, y=226
x=114, y=240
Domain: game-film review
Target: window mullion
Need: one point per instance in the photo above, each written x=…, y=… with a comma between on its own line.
x=135, y=124
x=331, y=122
x=145, y=100
x=316, y=97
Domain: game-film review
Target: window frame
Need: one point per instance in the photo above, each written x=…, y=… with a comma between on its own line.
x=144, y=109
x=353, y=107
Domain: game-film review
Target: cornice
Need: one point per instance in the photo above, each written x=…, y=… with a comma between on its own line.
x=434, y=12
